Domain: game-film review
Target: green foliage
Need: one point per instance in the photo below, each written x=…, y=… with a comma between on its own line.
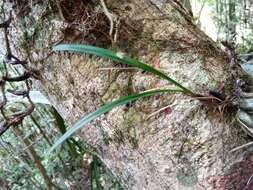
x=96, y=174
x=88, y=118
x=105, y=53
x=72, y=143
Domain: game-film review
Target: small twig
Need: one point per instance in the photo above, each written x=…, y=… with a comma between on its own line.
x=246, y=128
x=15, y=119
x=177, y=6
x=249, y=179
x=18, y=93
x=7, y=43
x=23, y=77
x=33, y=143
x=109, y=16
x=157, y=112
x=207, y=98
x=240, y=147
x=117, y=68
x=116, y=30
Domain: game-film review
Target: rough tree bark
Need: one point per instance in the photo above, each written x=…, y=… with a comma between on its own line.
x=187, y=146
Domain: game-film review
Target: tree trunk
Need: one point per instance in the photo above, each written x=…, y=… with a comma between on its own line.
x=185, y=147
x=231, y=21
x=32, y=153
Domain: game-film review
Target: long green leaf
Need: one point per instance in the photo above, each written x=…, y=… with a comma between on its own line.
x=91, y=116
x=96, y=173
x=63, y=128
x=105, y=53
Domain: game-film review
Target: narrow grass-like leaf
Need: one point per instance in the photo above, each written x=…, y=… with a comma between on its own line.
x=105, y=53
x=91, y=116
x=59, y=120
x=96, y=173
x=72, y=144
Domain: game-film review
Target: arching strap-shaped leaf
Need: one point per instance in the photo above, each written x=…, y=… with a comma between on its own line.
x=105, y=53
x=91, y=116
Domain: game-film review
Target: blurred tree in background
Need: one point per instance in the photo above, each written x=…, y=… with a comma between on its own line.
x=233, y=19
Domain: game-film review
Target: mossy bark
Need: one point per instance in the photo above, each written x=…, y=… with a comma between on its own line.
x=184, y=147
